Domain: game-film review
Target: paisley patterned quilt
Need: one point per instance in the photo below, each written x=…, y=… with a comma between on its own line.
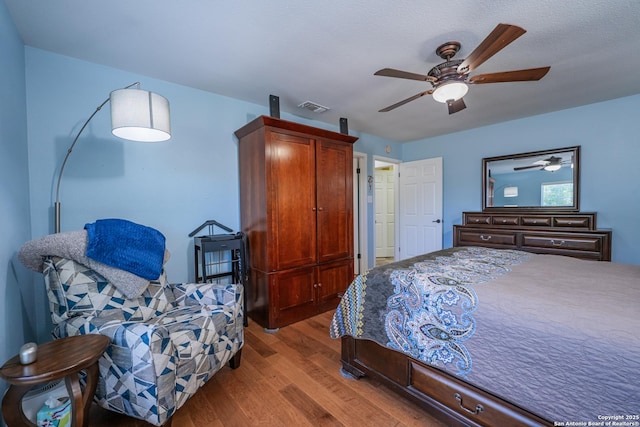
x=549, y=333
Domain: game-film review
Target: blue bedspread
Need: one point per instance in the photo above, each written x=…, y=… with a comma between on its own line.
x=126, y=245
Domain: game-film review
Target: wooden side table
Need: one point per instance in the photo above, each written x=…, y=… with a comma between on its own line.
x=62, y=358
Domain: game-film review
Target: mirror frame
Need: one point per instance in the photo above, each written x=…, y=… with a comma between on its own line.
x=576, y=181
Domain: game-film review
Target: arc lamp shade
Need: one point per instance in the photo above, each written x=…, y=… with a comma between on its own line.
x=140, y=115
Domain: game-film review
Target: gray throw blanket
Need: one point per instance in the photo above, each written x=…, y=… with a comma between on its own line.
x=73, y=245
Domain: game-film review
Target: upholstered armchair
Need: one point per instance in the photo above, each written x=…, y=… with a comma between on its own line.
x=165, y=344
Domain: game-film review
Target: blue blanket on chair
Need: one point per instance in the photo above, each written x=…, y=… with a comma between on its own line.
x=126, y=245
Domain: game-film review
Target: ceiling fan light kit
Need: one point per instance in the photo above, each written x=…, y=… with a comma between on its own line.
x=553, y=167
x=450, y=91
x=450, y=79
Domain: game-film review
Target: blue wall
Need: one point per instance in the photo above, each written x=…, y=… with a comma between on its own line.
x=173, y=186
x=17, y=313
x=610, y=182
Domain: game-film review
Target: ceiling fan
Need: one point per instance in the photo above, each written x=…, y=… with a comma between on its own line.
x=550, y=164
x=450, y=79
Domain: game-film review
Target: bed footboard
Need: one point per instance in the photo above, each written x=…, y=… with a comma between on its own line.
x=444, y=396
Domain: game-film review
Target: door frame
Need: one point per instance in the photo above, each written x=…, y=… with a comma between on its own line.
x=360, y=230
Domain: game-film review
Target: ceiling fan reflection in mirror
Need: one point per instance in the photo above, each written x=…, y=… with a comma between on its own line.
x=550, y=164
x=450, y=79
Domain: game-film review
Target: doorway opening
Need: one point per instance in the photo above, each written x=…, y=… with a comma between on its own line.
x=385, y=210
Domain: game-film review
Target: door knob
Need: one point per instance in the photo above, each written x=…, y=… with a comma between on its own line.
x=437, y=221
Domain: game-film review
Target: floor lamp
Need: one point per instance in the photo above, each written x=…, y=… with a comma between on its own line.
x=136, y=115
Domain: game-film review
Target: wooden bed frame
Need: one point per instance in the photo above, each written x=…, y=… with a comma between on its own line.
x=448, y=398
x=444, y=396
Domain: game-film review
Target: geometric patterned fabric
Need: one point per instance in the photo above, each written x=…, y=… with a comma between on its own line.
x=165, y=344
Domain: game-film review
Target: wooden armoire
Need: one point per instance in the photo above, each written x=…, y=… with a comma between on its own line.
x=296, y=208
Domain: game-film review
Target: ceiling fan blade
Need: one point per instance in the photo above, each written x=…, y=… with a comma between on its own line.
x=398, y=104
x=526, y=167
x=499, y=38
x=531, y=74
x=390, y=72
x=455, y=106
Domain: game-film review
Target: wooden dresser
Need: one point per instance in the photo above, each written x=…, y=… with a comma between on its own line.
x=296, y=208
x=573, y=233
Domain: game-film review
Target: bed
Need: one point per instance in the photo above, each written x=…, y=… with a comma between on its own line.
x=482, y=336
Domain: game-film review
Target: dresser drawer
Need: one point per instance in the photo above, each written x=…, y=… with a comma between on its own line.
x=505, y=220
x=470, y=237
x=471, y=402
x=567, y=242
x=577, y=221
x=536, y=221
x=477, y=219
x=594, y=246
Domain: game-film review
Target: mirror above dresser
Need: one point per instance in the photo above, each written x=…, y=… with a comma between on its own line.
x=541, y=180
x=530, y=202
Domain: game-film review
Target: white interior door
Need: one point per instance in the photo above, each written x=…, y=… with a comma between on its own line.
x=385, y=212
x=420, y=212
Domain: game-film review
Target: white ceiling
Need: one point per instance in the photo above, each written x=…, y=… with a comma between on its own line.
x=327, y=51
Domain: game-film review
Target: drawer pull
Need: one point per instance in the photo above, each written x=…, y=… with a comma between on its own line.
x=479, y=407
x=557, y=242
x=485, y=238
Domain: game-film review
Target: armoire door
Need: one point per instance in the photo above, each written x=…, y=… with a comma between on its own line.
x=293, y=295
x=333, y=280
x=291, y=199
x=334, y=163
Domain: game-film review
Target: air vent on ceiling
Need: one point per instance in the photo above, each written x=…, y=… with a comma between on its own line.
x=312, y=106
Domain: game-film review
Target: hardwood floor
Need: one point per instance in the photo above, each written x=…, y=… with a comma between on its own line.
x=290, y=378
x=384, y=261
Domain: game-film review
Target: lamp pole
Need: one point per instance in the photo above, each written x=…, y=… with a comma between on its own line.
x=57, y=202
